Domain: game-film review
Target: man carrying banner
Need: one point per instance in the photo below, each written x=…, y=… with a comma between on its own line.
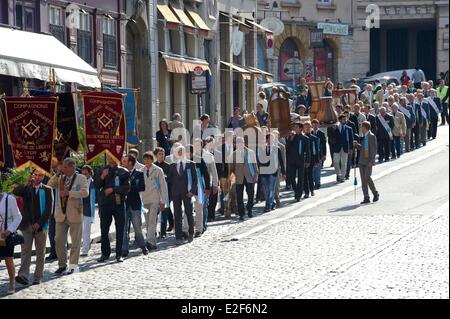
x=113, y=184
x=71, y=188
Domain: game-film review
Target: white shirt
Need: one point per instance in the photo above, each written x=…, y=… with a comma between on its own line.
x=179, y=163
x=14, y=215
x=139, y=166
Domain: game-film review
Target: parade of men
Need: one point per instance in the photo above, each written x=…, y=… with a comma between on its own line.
x=229, y=149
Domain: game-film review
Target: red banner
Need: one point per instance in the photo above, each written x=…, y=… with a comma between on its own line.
x=31, y=125
x=2, y=149
x=104, y=125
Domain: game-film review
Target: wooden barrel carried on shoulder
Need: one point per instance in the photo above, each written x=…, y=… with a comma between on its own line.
x=280, y=112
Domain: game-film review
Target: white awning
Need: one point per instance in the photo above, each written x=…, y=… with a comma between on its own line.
x=31, y=55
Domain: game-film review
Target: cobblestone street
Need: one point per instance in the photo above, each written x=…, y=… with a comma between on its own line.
x=397, y=248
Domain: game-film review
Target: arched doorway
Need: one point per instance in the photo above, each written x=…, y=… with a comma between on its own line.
x=290, y=67
x=325, y=65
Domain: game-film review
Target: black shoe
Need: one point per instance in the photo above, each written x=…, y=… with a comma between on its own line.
x=119, y=259
x=197, y=234
x=51, y=258
x=22, y=280
x=179, y=242
x=60, y=270
x=241, y=218
x=250, y=215
x=169, y=229
x=306, y=196
x=266, y=210
x=102, y=259
x=144, y=251
x=313, y=194
x=376, y=197
x=297, y=199
x=365, y=201
x=191, y=238
x=347, y=178
x=185, y=235
x=36, y=282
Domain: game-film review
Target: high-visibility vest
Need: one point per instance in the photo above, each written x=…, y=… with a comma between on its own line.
x=442, y=93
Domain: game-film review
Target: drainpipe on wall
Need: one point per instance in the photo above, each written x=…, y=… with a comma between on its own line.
x=154, y=78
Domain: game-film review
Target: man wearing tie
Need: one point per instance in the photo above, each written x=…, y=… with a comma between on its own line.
x=410, y=118
x=315, y=158
x=322, y=140
x=368, y=149
x=246, y=171
x=71, y=188
x=342, y=147
x=435, y=109
x=298, y=150
x=422, y=111
x=113, y=185
x=385, y=123
x=183, y=188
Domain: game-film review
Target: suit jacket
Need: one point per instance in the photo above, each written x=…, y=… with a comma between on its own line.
x=121, y=189
x=342, y=140
x=411, y=120
x=420, y=119
x=241, y=166
x=373, y=123
x=382, y=133
x=433, y=114
x=322, y=142
x=31, y=213
x=137, y=185
x=179, y=182
x=271, y=161
x=74, y=206
x=222, y=165
x=369, y=156
x=314, y=149
x=204, y=173
x=87, y=200
x=399, y=124
x=154, y=177
x=295, y=157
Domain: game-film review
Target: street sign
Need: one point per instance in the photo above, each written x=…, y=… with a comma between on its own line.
x=273, y=24
x=199, y=81
x=333, y=28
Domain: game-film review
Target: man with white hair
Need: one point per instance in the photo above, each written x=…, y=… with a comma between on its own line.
x=385, y=123
x=410, y=118
x=422, y=110
x=435, y=109
x=183, y=181
x=399, y=131
x=368, y=94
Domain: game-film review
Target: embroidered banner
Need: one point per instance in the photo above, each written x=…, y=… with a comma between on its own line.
x=31, y=125
x=2, y=148
x=130, y=102
x=104, y=125
x=66, y=136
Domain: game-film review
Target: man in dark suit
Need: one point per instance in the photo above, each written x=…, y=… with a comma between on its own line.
x=222, y=156
x=315, y=160
x=422, y=110
x=371, y=119
x=322, y=140
x=167, y=215
x=113, y=185
x=368, y=149
x=298, y=151
x=342, y=147
x=37, y=201
x=385, y=123
x=351, y=156
x=410, y=118
x=183, y=182
x=133, y=205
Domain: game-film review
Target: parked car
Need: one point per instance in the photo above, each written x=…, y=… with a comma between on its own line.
x=385, y=77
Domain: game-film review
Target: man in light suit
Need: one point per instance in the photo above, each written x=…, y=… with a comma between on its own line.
x=368, y=149
x=399, y=131
x=245, y=168
x=410, y=118
x=71, y=188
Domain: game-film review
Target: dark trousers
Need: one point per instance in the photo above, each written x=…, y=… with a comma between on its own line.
x=166, y=216
x=297, y=172
x=309, y=180
x=250, y=189
x=51, y=234
x=213, y=198
x=432, y=130
x=385, y=149
x=396, y=147
x=179, y=200
x=349, y=165
x=415, y=141
x=260, y=194
x=444, y=114
x=106, y=215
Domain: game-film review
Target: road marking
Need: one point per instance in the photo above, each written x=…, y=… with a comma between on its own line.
x=302, y=288
x=297, y=211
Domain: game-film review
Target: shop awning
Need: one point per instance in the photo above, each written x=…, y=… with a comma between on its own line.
x=183, y=64
x=259, y=27
x=188, y=26
x=31, y=55
x=246, y=74
x=260, y=73
x=242, y=26
x=198, y=20
x=172, y=21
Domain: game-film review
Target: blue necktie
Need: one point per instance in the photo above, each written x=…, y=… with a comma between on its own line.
x=300, y=146
x=250, y=165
